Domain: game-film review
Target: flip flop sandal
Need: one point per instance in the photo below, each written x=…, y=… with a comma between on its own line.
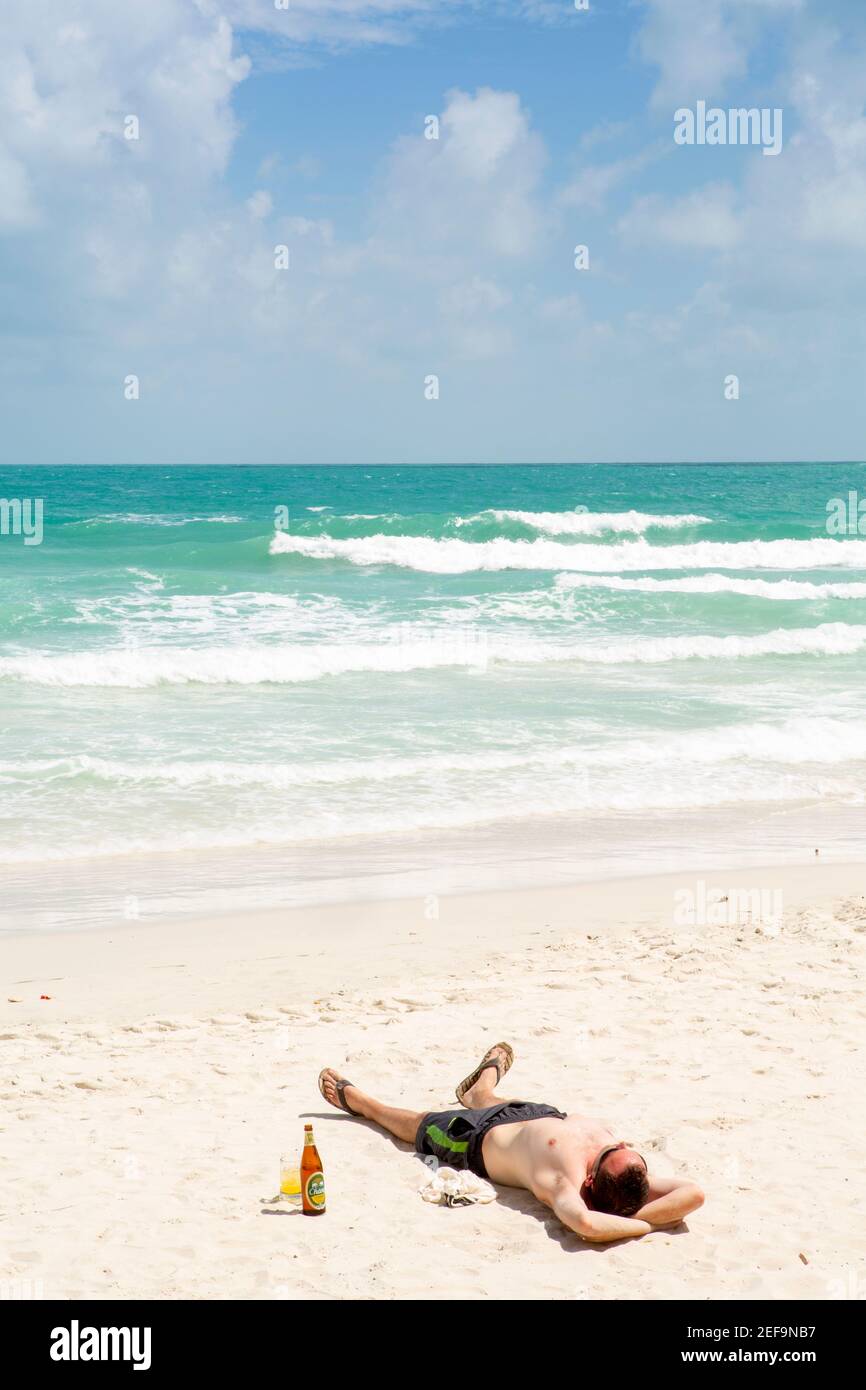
x=502, y=1065
x=339, y=1085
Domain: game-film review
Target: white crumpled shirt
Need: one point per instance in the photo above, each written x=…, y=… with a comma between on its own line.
x=451, y=1188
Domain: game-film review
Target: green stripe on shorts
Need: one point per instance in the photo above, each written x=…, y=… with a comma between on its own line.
x=441, y=1138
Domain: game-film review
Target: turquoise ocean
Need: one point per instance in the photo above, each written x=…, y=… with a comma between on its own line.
x=234, y=687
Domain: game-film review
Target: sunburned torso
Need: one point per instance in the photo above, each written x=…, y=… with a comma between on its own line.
x=533, y=1153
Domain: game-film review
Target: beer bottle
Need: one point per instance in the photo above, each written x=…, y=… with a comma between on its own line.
x=312, y=1176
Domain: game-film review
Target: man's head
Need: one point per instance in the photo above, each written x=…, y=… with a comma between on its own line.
x=617, y=1180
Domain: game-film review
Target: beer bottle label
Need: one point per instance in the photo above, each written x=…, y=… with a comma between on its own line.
x=316, y=1190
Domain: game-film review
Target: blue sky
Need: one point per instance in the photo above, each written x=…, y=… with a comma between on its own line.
x=408, y=257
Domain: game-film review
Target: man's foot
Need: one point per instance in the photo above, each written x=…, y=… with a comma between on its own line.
x=339, y=1092
x=475, y=1091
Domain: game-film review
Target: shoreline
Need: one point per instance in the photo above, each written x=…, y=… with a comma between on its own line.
x=102, y=963
x=516, y=855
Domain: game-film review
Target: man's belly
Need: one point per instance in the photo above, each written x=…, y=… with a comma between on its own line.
x=511, y=1152
x=519, y=1155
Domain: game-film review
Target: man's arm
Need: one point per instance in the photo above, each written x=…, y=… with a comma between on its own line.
x=597, y=1226
x=670, y=1200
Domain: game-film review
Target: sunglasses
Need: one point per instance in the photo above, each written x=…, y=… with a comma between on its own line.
x=602, y=1155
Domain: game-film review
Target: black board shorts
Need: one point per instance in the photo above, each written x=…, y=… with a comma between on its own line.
x=455, y=1136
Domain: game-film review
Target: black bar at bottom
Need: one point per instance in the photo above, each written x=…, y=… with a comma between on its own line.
x=290, y=1336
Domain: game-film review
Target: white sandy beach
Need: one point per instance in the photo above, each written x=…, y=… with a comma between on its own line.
x=146, y=1102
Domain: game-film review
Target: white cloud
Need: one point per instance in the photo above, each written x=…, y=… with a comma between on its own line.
x=593, y=184
x=469, y=309
x=554, y=11
x=260, y=205
x=478, y=183
x=309, y=226
x=804, y=221
x=482, y=131
x=66, y=87
x=333, y=23
x=821, y=188
x=701, y=46
x=705, y=219
x=473, y=297
x=16, y=201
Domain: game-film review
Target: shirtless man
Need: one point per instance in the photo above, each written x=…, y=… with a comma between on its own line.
x=598, y=1187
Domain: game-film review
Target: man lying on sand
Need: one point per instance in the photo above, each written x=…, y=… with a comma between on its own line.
x=597, y=1186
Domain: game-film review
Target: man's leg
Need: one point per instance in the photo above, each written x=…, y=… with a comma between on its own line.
x=482, y=1093
x=403, y=1124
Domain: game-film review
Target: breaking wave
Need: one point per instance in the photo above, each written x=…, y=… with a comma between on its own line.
x=462, y=557
x=281, y=665
x=585, y=523
x=778, y=589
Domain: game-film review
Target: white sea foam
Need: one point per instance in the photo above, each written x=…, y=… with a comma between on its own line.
x=828, y=639
x=157, y=615
x=802, y=740
x=139, y=668
x=154, y=580
x=595, y=781
x=579, y=523
x=555, y=604
x=778, y=589
x=462, y=557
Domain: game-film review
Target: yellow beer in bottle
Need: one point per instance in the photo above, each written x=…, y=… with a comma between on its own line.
x=312, y=1176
